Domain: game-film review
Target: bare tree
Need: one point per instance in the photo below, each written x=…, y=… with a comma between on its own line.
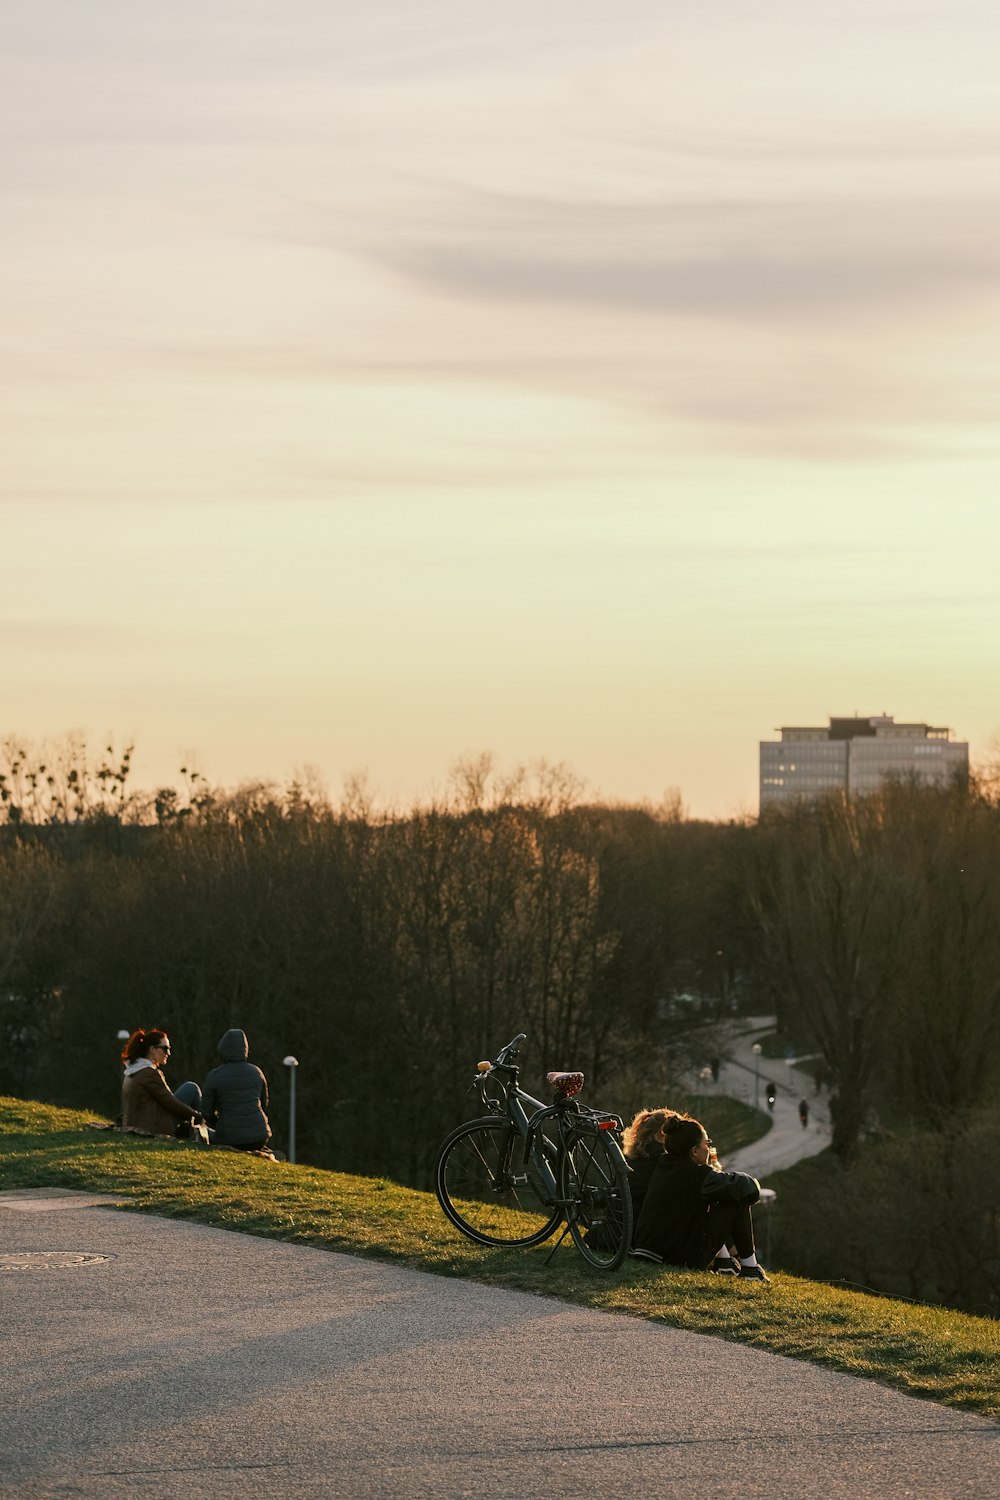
x=835, y=908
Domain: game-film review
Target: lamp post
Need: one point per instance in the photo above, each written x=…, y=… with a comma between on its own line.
x=291, y=1063
x=756, y=1049
x=123, y=1037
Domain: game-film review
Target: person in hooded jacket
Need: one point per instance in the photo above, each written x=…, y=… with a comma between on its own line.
x=693, y=1212
x=234, y=1098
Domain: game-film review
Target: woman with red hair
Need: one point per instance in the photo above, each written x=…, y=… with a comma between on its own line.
x=148, y=1105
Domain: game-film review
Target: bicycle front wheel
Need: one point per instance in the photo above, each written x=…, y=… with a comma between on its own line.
x=487, y=1191
x=594, y=1181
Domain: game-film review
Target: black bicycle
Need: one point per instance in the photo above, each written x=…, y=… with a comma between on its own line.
x=512, y=1177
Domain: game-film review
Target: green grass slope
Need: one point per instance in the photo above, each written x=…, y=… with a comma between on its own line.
x=945, y=1356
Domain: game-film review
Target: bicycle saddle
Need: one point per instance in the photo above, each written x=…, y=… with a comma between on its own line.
x=565, y=1085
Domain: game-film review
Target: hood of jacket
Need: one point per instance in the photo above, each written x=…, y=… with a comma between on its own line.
x=234, y=1047
x=137, y=1066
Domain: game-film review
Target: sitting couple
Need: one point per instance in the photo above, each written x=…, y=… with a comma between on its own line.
x=687, y=1211
x=233, y=1102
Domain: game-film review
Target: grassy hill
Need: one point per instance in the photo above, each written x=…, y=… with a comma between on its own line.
x=946, y=1356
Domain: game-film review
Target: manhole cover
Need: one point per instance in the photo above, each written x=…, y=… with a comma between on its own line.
x=49, y=1260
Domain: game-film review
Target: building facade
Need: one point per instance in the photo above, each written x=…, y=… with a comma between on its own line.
x=854, y=756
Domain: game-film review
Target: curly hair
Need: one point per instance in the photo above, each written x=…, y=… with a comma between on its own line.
x=140, y=1042
x=640, y=1138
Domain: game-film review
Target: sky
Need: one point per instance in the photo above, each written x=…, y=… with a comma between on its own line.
x=602, y=384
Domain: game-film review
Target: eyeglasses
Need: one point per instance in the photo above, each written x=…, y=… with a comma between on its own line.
x=160, y=1047
x=707, y=1141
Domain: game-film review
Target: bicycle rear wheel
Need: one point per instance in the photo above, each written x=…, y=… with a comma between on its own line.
x=487, y=1191
x=593, y=1176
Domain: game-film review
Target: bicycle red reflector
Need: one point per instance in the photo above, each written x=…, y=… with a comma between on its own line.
x=606, y=1125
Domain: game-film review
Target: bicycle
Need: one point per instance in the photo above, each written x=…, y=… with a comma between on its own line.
x=511, y=1177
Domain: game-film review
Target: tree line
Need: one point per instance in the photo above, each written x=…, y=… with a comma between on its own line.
x=389, y=951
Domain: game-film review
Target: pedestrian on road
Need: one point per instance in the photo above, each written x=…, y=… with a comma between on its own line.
x=772, y=1094
x=693, y=1212
x=804, y=1112
x=148, y=1103
x=235, y=1097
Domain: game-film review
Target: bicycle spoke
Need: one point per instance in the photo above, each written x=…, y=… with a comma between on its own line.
x=594, y=1176
x=487, y=1191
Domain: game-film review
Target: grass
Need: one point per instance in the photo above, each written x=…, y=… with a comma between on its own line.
x=730, y=1123
x=944, y=1356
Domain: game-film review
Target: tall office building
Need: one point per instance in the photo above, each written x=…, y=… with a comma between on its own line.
x=853, y=756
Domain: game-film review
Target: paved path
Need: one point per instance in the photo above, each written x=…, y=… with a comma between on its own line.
x=180, y=1362
x=742, y=1076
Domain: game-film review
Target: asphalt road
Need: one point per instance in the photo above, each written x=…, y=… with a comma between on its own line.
x=188, y=1362
x=742, y=1076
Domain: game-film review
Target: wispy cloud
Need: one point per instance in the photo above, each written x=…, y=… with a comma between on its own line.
x=750, y=262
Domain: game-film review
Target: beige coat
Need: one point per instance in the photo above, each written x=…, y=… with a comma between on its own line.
x=148, y=1104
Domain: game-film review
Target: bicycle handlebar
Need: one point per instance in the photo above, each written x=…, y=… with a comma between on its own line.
x=504, y=1058
x=504, y=1061
x=505, y=1054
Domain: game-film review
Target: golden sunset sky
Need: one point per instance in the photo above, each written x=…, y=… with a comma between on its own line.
x=608, y=383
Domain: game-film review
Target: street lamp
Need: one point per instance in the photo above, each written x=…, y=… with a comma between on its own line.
x=123, y=1037
x=756, y=1049
x=291, y=1063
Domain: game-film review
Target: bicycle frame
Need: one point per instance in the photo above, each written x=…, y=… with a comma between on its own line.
x=529, y=1126
x=511, y=1178
x=513, y=1105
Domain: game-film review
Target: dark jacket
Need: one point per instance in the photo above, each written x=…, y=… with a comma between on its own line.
x=675, y=1213
x=643, y=1165
x=234, y=1098
x=148, y=1104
